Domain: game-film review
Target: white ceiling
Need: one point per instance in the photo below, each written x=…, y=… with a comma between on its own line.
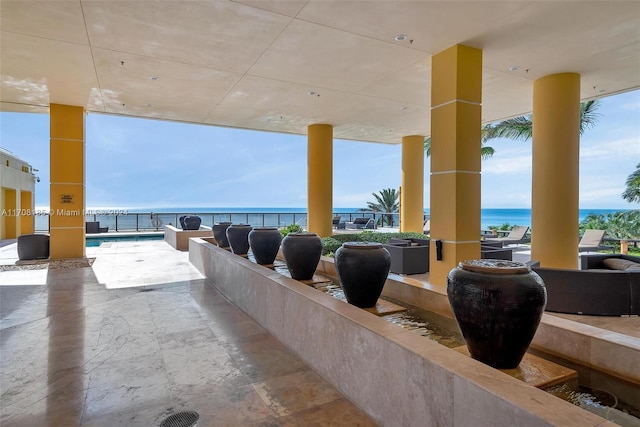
x=283, y=65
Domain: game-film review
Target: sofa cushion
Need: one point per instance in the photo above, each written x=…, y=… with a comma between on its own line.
x=621, y=264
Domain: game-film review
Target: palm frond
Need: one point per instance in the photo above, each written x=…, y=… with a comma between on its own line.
x=632, y=193
x=517, y=128
x=588, y=115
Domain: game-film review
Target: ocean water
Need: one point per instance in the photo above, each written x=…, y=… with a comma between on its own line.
x=270, y=216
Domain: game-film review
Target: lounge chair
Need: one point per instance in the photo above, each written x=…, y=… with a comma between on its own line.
x=361, y=223
x=592, y=241
x=336, y=221
x=426, y=229
x=515, y=236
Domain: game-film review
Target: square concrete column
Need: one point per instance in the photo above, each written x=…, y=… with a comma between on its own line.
x=412, y=195
x=456, y=97
x=67, y=191
x=320, y=179
x=556, y=159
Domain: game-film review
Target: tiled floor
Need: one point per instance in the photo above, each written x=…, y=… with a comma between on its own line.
x=140, y=336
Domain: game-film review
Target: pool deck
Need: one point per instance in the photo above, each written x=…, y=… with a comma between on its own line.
x=139, y=336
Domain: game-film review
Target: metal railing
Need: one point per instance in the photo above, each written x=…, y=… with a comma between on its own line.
x=144, y=221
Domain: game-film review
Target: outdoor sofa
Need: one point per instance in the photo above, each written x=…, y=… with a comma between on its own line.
x=411, y=256
x=408, y=256
x=93, y=227
x=604, y=286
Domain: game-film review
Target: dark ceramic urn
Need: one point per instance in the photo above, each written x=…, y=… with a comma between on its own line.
x=498, y=306
x=238, y=237
x=265, y=243
x=220, y=233
x=302, y=253
x=362, y=268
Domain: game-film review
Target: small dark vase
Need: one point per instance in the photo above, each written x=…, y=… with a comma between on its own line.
x=238, y=236
x=182, y=224
x=362, y=268
x=498, y=305
x=302, y=253
x=220, y=233
x=265, y=243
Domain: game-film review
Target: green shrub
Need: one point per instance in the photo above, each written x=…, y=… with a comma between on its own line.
x=331, y=244
x=292, y=228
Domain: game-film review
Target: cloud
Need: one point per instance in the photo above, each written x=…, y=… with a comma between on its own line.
x=624, y=147
x=352, y=199
x=520, y=164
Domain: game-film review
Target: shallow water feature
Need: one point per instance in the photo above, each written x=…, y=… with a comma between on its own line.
x=411, y=319
x=600, y=402
x=445, y=332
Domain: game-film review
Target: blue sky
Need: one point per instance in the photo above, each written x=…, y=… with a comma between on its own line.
x=148, y=163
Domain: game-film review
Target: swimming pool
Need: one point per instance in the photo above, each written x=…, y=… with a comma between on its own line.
x=94, y=242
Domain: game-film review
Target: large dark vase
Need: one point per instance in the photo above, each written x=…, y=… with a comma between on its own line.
x=238, y=236
x=498, y=305
x=220, y=233
x=265, y=243
x=192, y=222
x=302, y=252
x=362, y=268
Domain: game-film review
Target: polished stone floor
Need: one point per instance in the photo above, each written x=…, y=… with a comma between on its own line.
x=141, y=335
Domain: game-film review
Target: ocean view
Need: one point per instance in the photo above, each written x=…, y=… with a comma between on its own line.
x=127, y=217
x=488, y=217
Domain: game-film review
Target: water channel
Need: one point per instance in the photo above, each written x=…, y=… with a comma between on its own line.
x=445, y=332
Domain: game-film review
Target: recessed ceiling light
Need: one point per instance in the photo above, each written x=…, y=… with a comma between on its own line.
x=154, y=78
x=514, y=68
x=602, y=90
x=311, y=93
x=401, y=37
x=148, y=105
x=404, y=108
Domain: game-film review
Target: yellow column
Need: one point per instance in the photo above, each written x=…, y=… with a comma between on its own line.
x=456, y=97
x=320, y=179
x=3, y=214
x=10, y=214
x=412, y=196
x=67, y=198
x=27, y=221
x=556, y=151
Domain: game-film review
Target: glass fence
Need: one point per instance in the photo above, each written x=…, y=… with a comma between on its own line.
x=151, y=221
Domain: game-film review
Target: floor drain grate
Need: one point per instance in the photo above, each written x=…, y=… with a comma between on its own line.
x=181, y=419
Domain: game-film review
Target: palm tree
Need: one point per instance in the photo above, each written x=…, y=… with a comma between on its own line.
x=632, y=193
x=521, y=128
x=387, y=202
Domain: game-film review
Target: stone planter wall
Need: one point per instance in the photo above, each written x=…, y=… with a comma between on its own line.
x=179, y=239
x=390, y=373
